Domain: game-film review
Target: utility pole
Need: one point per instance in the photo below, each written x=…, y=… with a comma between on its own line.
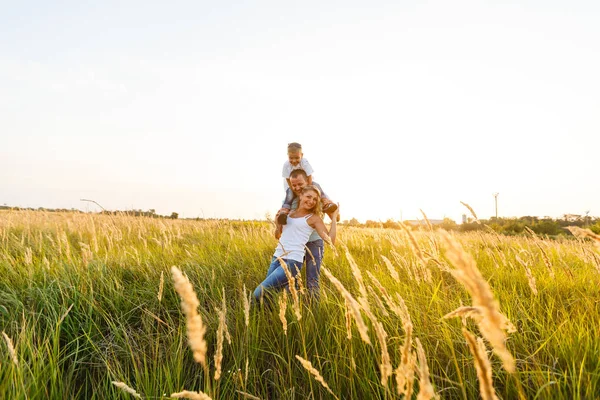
x=496, y=202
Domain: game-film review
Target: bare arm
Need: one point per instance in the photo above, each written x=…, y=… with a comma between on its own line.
x=318, y=224
x=309, y=181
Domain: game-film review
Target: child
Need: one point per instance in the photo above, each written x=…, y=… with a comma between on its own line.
x=296, y=161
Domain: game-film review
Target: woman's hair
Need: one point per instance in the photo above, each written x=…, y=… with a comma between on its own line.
x=294, y=147
x=317, y=209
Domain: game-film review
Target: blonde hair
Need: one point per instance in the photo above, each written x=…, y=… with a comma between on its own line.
x=294, y=147
x=317, y=209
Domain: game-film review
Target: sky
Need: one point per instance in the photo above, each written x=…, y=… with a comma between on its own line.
x=400, y=106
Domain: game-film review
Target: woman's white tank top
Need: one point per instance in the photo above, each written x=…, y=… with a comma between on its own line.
x=293, y=238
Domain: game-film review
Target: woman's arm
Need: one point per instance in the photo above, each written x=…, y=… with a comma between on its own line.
x=318, y=224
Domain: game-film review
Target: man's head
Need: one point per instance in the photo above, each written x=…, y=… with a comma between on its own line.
x=294, y=153
x=298, y=179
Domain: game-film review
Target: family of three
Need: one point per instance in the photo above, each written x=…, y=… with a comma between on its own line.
x=300, y=228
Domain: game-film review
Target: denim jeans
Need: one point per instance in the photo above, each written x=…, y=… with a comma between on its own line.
x=313, y=266
x=276, y=278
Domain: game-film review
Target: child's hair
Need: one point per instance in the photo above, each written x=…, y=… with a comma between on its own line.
x=299, y=171
x=294, y=147
x=317, y=209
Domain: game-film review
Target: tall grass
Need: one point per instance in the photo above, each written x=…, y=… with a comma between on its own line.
x=89, y=307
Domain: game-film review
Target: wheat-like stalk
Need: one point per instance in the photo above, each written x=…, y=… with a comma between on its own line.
x=246, y=306
x=220, y=331
x=247, y=395
x=546, y=260
x=427, y=220
x=160, y=286
x=127, y=389
x=314, y=372
x=482, y=365
x=492, y=323
x=348, y=315
x=186, y=394
x=351, y=303
x=391, y=268
x=189, y=305
x=282, y=309
x=579, y=232
x=471, y=211
x=293, y=291
x=11, y=349
x=426, y=390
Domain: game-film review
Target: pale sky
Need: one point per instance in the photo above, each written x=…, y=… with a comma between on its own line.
x=188, y=106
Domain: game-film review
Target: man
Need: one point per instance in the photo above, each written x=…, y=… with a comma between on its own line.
x=315, y=246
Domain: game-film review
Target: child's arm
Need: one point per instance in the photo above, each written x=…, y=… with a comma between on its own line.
x=310, y=182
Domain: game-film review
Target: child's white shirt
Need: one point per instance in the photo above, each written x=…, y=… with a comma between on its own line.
x=288, y=168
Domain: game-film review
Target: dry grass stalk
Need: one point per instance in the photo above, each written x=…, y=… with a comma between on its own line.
x=492, y=324
x=28, y=257
x=531, y=280
x=400, y=310
x=391, y=268
x=406, y=369
x=579, y=232
x=530, y=277
x=424, y=269
x=11, y=349
x=309, y=367
x=546, y=260
x=160, y=286
x=378, y=301
x=482, y=365
x=426, y=390
x=351, y=305
x=127, y=389
x=406, y=265
x=247, y=395
x=471, y=211
x=186, y=394
x=246, y=306
x=358, y=276
x=282, y=309
x=386, y=365
x=292, y=287
x=224, y=308
x=220, y=334
x=348, y=315
x=189, y=305
x=427, y=220
x=466, y=312
x=65, y=314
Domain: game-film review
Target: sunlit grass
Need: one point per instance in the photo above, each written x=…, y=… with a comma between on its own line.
x=79, y=302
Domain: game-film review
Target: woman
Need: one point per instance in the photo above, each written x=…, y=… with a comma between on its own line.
x=291, y=246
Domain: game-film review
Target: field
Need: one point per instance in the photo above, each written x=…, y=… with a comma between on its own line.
x=89, y=300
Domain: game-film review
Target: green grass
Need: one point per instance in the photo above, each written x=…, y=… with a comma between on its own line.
x=107, y=271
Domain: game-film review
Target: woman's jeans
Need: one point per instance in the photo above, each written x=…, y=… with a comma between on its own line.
x=313, y=266
x=276, y=278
